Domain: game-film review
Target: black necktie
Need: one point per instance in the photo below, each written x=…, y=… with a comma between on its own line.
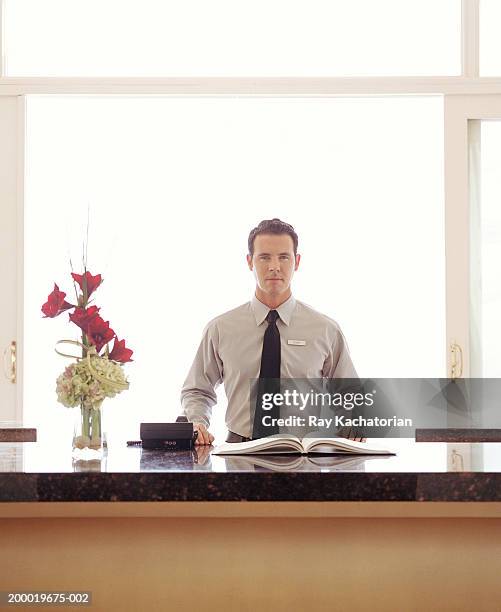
x=269, y=378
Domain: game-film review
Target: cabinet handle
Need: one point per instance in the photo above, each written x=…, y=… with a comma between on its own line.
x=9, y=362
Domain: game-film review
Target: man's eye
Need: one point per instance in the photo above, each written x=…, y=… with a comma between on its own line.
x=284, y=257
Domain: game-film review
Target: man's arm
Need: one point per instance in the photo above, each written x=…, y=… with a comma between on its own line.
x=339, y=365
x=198, y=393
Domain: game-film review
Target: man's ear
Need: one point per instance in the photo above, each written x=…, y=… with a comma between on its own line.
x=249, y=262
x=298, y=259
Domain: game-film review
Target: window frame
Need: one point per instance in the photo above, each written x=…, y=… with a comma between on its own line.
x=464, y=114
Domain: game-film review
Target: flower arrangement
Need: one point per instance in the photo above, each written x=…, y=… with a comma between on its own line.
x=98, y=372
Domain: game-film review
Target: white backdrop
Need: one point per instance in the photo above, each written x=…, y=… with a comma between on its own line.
x=175, y=184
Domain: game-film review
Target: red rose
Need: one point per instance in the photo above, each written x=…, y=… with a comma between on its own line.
x=92, y=282
x=99, y=332
x=56, y=304
x=119, y=352
x=83, y=316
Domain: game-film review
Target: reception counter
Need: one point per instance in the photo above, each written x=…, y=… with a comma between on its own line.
x=155, y=529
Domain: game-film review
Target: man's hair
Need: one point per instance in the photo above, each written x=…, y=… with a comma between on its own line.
x=272, y=226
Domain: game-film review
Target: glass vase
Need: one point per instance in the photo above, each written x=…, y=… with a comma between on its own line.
x=87, y=434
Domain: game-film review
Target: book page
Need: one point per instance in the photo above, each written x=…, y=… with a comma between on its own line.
x=281, y=443
x=342, y=445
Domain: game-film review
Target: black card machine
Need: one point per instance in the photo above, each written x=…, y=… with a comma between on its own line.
x=168, y=436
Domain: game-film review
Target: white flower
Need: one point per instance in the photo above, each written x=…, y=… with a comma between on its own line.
x=79, y=384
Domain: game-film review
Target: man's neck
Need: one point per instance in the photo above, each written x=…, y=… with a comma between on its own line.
x=272, y=302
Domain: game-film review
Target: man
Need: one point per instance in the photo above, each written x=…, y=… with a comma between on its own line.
x=272, y=336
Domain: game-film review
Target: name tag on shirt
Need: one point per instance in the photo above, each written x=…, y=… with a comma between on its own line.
x=297, y=342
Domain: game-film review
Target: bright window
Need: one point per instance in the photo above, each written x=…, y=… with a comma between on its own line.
x=486, y=251
x=490, y=42
x=174, y=186
x=232, y=37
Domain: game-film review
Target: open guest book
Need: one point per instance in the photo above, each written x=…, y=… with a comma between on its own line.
x=287, y=444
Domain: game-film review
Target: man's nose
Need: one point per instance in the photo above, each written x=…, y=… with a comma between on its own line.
x=274, y=264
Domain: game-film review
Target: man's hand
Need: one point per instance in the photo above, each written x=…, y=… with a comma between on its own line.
x=204, y=437
x=355, y=436
x=352, y=434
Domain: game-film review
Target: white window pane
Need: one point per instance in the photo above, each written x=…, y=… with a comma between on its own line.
x=490, y=41
x=176, y=184
x=487, y=278
x=232, y=37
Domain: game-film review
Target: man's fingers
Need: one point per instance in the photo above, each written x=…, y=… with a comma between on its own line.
x=204, y=437
x=201, y=437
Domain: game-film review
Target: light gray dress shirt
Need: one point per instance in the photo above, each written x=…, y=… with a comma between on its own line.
x=312, y=346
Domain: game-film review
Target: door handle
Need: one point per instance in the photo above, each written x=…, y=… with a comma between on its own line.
x=456, y=361
x=10, y=362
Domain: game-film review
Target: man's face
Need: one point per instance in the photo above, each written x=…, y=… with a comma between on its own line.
x=273, y=263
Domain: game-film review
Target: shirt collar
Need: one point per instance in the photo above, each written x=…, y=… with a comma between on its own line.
x=261, y=311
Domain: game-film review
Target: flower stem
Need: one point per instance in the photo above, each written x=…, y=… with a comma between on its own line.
x=96, y=423
x=85, y=421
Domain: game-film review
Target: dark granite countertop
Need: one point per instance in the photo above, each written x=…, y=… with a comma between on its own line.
x=13, y=431
x=31, y=472
x=458, y=435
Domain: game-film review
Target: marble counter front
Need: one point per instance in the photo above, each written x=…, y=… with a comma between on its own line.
x=419, y=472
